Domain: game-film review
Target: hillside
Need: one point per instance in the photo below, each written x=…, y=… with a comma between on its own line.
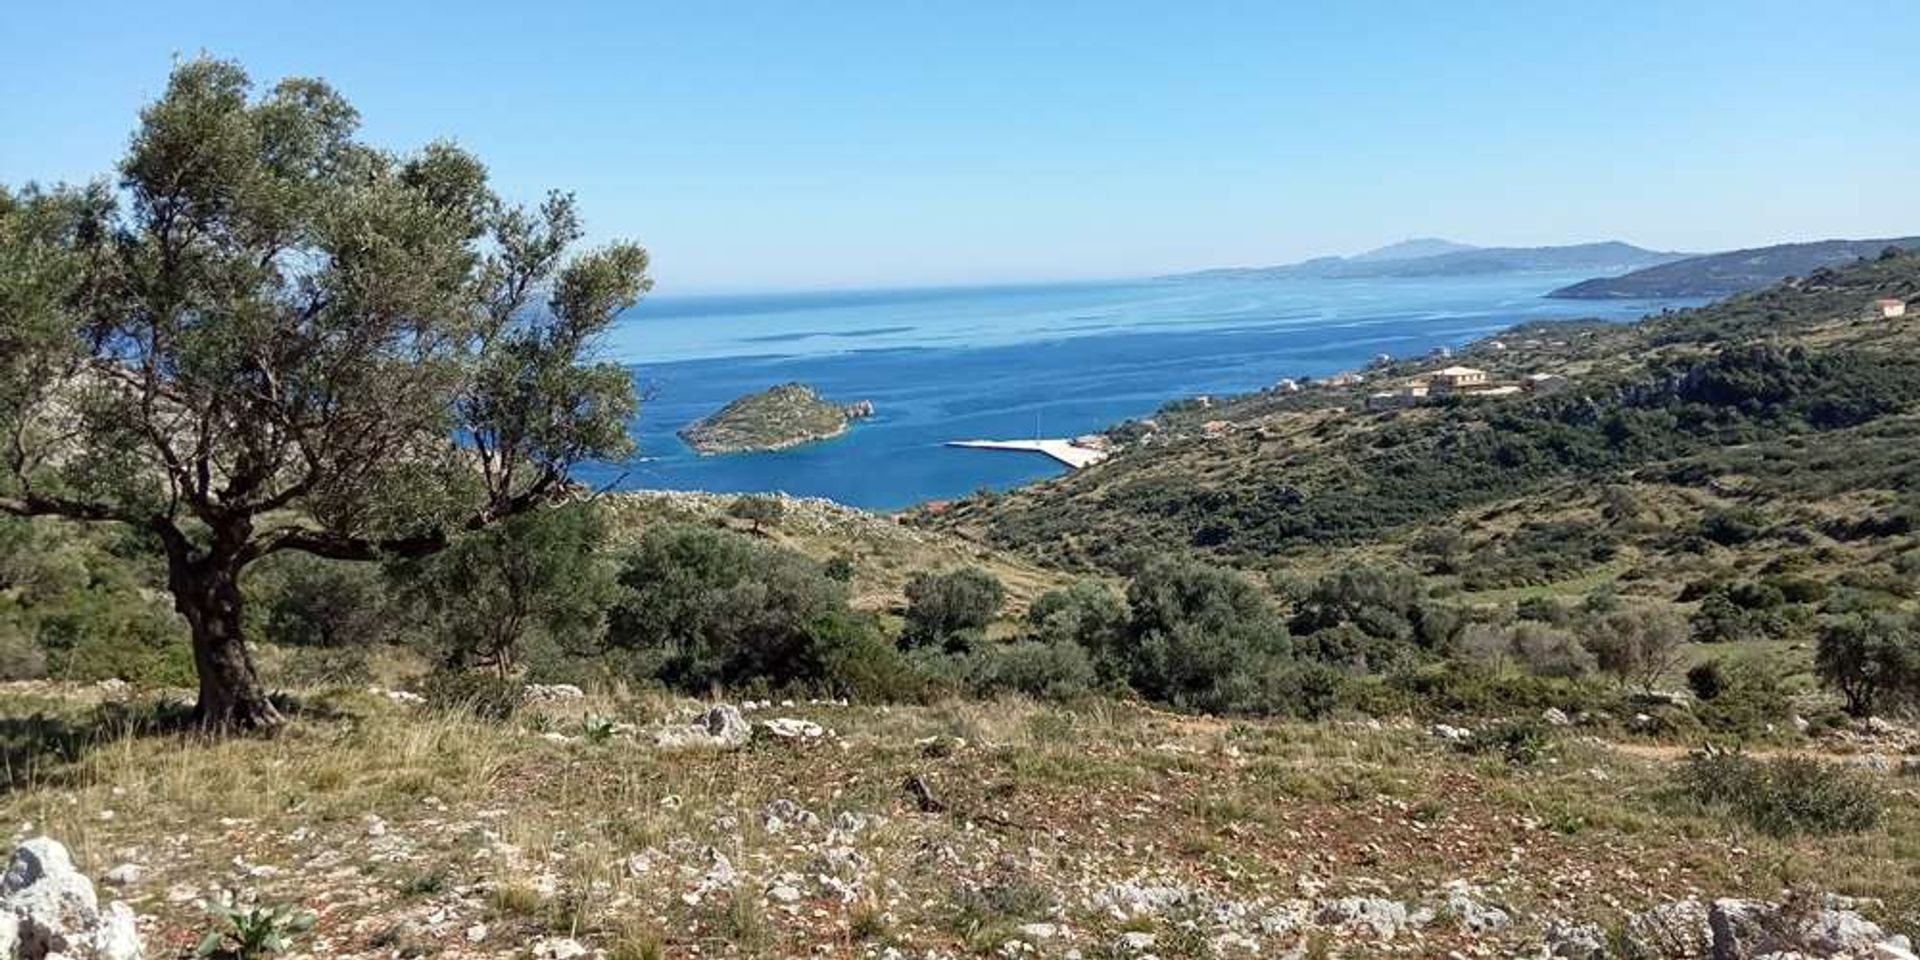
x=776, y=418
x=1598, y=257
x=1723, y=274
x=1763, y=434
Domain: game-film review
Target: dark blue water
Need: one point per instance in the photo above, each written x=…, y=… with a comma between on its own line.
x=1015, y=362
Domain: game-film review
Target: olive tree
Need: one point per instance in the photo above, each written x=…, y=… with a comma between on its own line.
x=272, y=336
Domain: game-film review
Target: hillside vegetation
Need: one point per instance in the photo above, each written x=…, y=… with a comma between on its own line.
x=1724, y=274
x=1662, y=414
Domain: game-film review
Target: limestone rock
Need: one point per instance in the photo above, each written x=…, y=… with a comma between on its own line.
x=551, y=693
x=721, y=726
x=1575, y=941
x=1464, y=902
x=51, y=910
x=1382, y=917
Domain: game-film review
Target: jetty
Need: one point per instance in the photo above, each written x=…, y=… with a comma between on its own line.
x=1066, y=451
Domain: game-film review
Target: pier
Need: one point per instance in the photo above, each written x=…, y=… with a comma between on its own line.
x=1065, y=451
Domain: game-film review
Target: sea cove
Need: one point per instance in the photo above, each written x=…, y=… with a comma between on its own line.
x=1017, y=362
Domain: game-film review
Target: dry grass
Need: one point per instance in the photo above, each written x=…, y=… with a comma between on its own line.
x=406, y=829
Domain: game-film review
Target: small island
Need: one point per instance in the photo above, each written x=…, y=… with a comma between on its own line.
x=774, y=419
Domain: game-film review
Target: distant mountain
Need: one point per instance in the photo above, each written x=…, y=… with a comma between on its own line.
x=1604, y=257
x=1721, y=274
x=1413, y=249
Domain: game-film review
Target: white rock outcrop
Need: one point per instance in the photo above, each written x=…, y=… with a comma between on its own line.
x=49, y=910
x=721, y=726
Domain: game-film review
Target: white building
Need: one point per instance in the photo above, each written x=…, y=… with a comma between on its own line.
x=1452, y=379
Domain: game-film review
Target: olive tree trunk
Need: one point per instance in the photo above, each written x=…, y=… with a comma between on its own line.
x=207, y=594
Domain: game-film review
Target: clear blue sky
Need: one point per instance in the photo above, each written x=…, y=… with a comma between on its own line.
x=793, y=144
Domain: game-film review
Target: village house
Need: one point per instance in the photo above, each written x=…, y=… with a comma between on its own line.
x=1343, y=379
x=1457, y=379
x=1288, y=385
x=1406, y=395
x=1887, y=308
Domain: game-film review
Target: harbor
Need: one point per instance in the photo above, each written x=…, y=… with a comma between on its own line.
x=1070, y=452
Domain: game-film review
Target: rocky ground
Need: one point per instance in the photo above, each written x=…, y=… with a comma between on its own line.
x=654, y=828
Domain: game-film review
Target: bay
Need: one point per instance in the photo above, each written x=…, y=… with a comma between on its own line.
x=1009, y=362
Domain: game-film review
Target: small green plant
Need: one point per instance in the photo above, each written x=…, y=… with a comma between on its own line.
x=597, y=729
x=248, y=933
x=1522, y=742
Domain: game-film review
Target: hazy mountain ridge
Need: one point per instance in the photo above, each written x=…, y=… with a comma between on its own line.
x=1735, y=271
x=1392, y=261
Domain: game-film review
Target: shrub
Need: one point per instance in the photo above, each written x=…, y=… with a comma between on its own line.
x=951, y=609
x=313, y=602
x=758, y=509
x=20, y=657
x=1540, y=649
x=537, y=577
x=1872, y=659
x=703, y=607
x=1542, y=610
x=1520, y=742
x=1732, y=527
x=1203, y=637
x=1706, y=680
x=858, y=662
x=1750, y=697
x=1087, y=613
x=1784, y=796
x=1638, y=645
x=1551, y=652
x=1377, y=599
x=839, y=567
x=1054, y=671
x=484, y=695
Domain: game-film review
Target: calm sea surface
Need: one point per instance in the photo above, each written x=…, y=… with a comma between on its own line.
x=1015, y=362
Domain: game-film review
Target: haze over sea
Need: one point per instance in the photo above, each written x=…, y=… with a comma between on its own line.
x=1015, y=362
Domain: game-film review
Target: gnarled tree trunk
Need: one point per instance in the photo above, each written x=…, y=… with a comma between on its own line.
x=207, y=593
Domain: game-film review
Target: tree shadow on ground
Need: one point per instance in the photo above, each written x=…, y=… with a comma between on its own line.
x=45, y=748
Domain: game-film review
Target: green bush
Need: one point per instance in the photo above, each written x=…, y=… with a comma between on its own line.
x=1520, y=742
x=759, y=509
x=20, y=657
x=309, y=601
x=536, y=579
x=1055, y=671
x=1707, y=680
x=1872, y=659
x=1462, y=689
x=1087, y=613
x=1750, y=698
x=858, y=662
x=702, y=607
x=1202, y=637
x=1784, y=796
x=951, y=610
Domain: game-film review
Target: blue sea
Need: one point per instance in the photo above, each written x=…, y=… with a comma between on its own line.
x=1012, y=362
